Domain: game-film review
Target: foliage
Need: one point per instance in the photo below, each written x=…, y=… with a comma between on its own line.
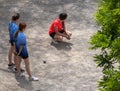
x=107, y=39
x=110, y=81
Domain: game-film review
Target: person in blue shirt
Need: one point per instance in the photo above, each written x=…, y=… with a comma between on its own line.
x=21, y=51
x=12, y=28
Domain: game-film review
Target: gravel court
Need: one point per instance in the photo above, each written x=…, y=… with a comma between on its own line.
x=69, y=65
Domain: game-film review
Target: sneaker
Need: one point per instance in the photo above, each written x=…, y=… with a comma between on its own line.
x=10, y=66
x=33, y=78
x=55, y=42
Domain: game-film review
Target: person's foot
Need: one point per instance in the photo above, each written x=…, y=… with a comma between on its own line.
x=11, y=66
x=33, y=78
x=54, y=41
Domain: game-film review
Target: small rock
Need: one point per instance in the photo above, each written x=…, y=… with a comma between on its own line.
x=44, y=62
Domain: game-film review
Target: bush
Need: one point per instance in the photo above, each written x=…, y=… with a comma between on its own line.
x=107, y=39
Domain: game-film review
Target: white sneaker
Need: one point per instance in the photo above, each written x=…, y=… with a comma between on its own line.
x=55, y=42
x=33, y=78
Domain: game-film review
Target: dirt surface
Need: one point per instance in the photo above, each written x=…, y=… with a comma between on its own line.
x=69, y=65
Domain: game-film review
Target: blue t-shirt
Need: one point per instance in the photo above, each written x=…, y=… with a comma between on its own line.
x=21, y=41
x=13, y=27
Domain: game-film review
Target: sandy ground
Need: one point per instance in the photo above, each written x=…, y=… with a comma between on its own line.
x=69, y=65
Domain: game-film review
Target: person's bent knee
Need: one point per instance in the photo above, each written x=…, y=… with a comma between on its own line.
x=59, y=38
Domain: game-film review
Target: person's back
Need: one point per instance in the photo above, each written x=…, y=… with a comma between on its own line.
x=21, y=40
x=13, y=27
x=55, y=23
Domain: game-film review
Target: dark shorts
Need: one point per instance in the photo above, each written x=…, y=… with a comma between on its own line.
x=23, y=55
x=11, y=42
x=53, y=34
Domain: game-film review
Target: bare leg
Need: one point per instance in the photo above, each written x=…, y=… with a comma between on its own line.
x=27, y=66
x=10, y=54
x=15, y=60
x=58, y=38
x=69, y=34
x=18, y=64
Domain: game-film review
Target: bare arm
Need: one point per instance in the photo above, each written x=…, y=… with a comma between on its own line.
x=61, y=34
x=63, y=25
x=64, y=28
x=66, y=32
x=14, y=46
x=14, y=49
x=21, y=47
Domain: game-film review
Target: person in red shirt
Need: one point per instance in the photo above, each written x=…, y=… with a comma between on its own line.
x=57, y=29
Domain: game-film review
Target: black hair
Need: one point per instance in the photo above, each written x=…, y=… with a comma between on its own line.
x=63, y=16
x=15, y=16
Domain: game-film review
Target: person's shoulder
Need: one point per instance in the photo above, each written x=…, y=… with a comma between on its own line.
x=21, y=35
x=15, y=24
x=9, y=23
x=57, y=20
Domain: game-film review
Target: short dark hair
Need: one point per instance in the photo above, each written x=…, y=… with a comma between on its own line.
x=15, y=16
x=62, y=16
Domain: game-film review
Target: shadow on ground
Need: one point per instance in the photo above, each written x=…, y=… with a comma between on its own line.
x=23, y=82
x=5, y=70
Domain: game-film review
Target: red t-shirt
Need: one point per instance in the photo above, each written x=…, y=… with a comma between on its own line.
x=54, y=24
